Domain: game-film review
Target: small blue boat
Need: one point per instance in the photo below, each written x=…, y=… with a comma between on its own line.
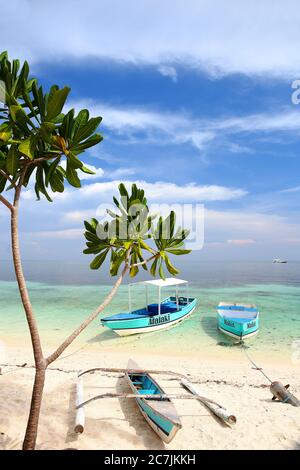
x=157, y=316
x=160, y=413
x=240, y=321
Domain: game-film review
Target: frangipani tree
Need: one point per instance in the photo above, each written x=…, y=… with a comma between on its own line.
x=35, y=137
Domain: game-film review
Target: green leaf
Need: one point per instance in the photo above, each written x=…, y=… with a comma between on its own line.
x=12, y=161
x=134, y=270
x=161, y=272
x=3, y=182
x=172, y=270
x=65, y=129
x=94, y=140
x=80, y=121
x=178, y=251
x=123, y=190
x=46, y=131
x=74, y=162
x=89, y=227
x=72, y=177
x=5, y=133
x=56, y=102
x=116, y=262
x=57, y=183
x=92, y=250
x=99, y=260
x=85, y=130
x=154, y=267
x=40, y=185
x=87, y=170
x=92, y=237
x=51, y=170
x=27, y=147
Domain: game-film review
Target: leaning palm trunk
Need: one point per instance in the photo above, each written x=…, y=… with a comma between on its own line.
x=41, y=363
x=32, y=426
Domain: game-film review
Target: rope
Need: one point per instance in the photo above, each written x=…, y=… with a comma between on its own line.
x=253, y=363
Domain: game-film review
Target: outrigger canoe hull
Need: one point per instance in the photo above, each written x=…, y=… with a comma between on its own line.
x=159, y=413
x=148, y=320
x=238, y=321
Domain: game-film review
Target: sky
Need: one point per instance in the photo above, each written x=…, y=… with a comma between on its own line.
x=196, y=104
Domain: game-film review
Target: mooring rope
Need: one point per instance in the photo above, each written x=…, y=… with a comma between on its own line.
x=244, y=348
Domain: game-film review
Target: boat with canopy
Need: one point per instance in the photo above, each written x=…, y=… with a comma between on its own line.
x=154, y=316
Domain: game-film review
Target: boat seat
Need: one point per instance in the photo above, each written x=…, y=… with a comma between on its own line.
x=146, y=391
x=164, y=308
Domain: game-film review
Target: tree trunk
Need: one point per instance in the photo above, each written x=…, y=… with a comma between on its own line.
x=40, y=363
x=35, y=408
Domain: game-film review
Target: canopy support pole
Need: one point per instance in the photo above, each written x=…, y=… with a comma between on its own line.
x=147, y=300
x=177, y=300
x=159, y=300
x=129, y=298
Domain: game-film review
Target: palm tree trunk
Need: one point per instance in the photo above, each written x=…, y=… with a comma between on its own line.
x=89, y=320
x=35, y=408
x=40, y=363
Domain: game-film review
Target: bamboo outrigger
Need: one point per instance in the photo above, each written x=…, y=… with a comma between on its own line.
x=153, y=402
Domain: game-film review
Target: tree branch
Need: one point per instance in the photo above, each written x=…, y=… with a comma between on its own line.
x=43, y=159
x=2, y=172
x=6, y=203
x=92, y=317
x=143, y=262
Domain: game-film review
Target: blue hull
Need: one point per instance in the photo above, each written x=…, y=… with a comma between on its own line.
x=160, y=413
x=147, y=320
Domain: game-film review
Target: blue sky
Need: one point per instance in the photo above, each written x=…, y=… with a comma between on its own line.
x=196, y=106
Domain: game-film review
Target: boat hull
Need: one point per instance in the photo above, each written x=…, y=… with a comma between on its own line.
x=152, y=328
x=160, y=414
x=240, y=324
x=146, y=324
x=163, y=428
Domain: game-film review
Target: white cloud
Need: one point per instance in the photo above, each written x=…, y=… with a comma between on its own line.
x=168, y=71
x=161, y=191
x=250, y=226
x=256, y=37
x=99, y=173
x=247, y=241
x=68, y=234
x=79, y=216
x=296, y=189
x=133, y=123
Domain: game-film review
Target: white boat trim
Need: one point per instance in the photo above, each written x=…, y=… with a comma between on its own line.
x=148, y=329
x=233, y=335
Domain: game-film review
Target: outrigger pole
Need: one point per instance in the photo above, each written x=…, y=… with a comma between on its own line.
x=215, y=407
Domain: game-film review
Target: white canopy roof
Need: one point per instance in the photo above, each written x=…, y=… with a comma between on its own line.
x=169, y=281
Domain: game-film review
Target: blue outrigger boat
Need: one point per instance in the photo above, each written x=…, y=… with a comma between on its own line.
x=160, y=413
x=240, y=321
x=156, y=316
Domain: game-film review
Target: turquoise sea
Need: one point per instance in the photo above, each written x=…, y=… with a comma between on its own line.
x=64, y=293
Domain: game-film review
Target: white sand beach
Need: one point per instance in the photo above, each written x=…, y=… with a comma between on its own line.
x=117, y=423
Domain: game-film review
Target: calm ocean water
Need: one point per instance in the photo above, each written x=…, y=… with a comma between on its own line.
x=63, y=294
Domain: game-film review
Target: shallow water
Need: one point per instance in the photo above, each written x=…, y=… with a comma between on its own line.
x=60, y=308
